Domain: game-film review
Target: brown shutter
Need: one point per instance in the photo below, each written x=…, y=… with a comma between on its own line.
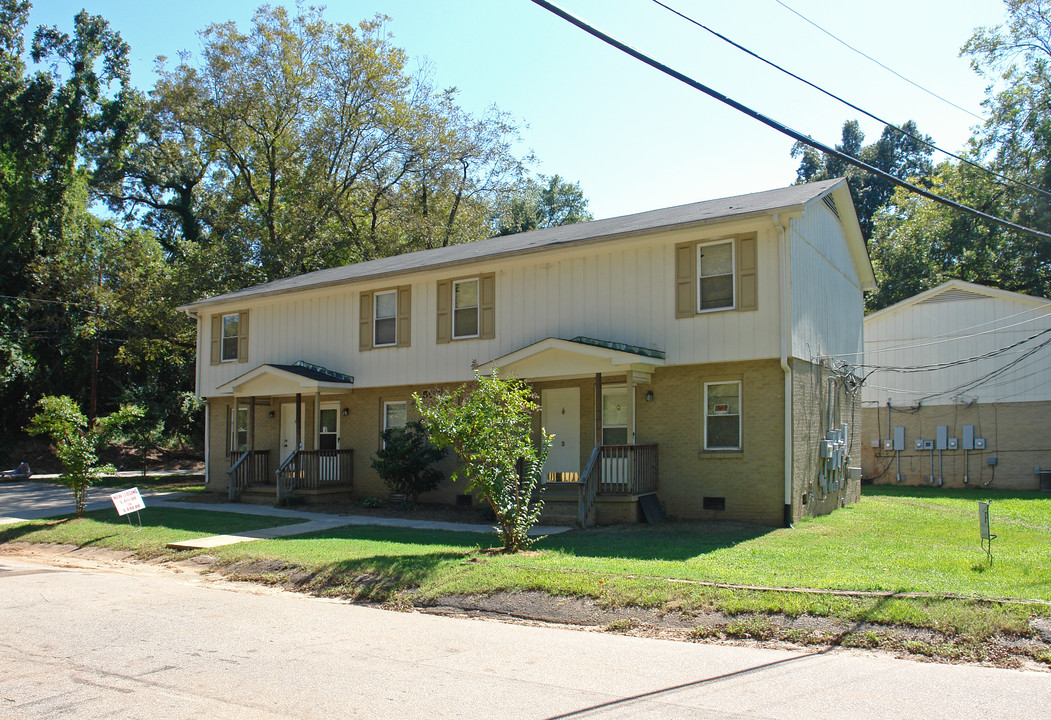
x=747, y=277
x=365, y=323
x=404, y=315
x=487, y=306
x=445, y=315
x=217, y=330
x=685, y=280
x=242, y=337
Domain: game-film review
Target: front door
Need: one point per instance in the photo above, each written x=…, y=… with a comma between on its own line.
x=288, y=430
x=328, y=440
x=560, y=416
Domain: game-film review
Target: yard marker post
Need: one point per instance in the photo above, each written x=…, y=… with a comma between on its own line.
x=983, y=529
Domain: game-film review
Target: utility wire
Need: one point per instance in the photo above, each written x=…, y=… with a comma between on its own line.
x=952, y=363
x=851, y=105
x=872, y=59
x=780, y=127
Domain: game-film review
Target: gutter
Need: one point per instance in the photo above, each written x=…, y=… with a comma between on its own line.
x=786, y=349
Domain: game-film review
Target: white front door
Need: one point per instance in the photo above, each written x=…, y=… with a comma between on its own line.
x=288, y=430
x=560, y=416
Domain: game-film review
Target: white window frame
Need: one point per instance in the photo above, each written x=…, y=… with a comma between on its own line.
x=223, y=337
x=386, y=416
x=477, y=308
x=733, y=275
x=376, y=317
x=234, y=430
x=704, y=410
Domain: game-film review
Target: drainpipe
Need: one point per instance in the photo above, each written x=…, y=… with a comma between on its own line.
x=786, y=347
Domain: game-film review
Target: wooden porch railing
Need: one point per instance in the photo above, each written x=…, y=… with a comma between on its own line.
x=250, y=467
x=627, y=469
x=314, y=469
x=589, y=482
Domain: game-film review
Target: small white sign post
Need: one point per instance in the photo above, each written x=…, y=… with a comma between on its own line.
x=128, y=501
x=983, y=529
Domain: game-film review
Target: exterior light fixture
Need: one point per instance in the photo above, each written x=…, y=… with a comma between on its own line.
x=649, y=396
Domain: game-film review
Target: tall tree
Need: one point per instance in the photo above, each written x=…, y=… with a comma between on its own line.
x=302, y=144
x=542, y=203
x=897, y=152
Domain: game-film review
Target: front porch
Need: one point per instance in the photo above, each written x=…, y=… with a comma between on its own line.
x=606, y=485
x=284, y=441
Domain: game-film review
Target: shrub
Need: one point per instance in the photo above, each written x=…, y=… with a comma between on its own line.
x=405, y=461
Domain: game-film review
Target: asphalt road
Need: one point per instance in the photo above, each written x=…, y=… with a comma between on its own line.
x=143, y=643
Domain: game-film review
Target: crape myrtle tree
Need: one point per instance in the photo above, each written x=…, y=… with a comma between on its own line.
x=488, y=424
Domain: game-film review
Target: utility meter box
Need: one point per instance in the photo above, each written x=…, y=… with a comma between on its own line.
x=954, y=443
x=941, y=438
x=928, y=444
x=888, y=444
x=968, y=437
x=899, y=437
x=979, y=443
x=919, y=443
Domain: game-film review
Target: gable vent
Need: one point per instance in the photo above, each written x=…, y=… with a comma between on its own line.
x=831, y=205
x=954, y=295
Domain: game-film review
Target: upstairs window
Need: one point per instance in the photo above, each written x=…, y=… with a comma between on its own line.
x=230, y=336
x=465, y=309
x=385, y=328
x=715, y=276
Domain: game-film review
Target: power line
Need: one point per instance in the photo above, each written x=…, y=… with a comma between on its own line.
x=888, y=69
x=931, y=367
x=851, y=105
x=780, y=127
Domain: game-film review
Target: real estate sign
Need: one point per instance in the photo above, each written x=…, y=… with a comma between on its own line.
x=127, y=501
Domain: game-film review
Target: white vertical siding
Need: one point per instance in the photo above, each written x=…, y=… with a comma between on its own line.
x=931, y=333
x=827, y=301
x=621, y=291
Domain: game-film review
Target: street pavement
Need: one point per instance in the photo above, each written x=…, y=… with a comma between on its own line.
x=142, y=642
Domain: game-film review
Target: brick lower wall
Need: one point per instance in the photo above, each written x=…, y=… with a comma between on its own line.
x=810, y=396
x=1017, y=435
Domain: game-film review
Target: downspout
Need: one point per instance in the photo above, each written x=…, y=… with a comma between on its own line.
x=786, y=348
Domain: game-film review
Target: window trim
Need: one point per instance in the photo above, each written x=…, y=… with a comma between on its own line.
x=739, y=415
x=477, y=308
x=615, y=390
x=376, y=318
x=223, y=337
x=383, y=417
x=701, y=246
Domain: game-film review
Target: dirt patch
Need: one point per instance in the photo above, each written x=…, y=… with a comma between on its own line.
x=811, y=633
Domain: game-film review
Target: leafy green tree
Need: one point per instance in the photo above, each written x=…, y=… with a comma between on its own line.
x=406, y=460
x=487, y=423
x=543, y=203
x=897, y=152
x=77, y=444
x=301, y=144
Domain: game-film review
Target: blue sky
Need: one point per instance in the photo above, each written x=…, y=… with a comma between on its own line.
x=635, y=139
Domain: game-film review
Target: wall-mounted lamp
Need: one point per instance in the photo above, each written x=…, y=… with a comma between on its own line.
x=649, y=396
x=346, y=412
x=270, y=415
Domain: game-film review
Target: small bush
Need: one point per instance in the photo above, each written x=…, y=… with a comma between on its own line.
x=371, y=502
x=405, y=461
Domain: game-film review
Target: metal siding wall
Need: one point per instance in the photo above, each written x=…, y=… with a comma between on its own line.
x=923, y=334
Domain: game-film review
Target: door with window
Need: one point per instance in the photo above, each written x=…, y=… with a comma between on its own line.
x=560, y=416
x=328, y=442
x=615, y=432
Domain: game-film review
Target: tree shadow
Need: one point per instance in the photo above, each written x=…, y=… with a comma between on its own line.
x=669, y=541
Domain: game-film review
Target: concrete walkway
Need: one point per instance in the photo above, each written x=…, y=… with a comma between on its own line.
x=28, y=500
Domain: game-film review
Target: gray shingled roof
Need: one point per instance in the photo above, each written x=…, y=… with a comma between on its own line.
x=679, y=216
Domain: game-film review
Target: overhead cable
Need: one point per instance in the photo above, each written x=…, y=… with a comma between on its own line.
x=872, y=59
x=780, y=127
x=851, y=105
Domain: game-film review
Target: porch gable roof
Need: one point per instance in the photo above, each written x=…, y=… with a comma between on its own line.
x=554, y=357
x=273, y=379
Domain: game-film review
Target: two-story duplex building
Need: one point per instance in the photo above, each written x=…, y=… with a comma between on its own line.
x=678, y=351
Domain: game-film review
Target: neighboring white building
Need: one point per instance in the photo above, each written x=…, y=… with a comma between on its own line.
x=683, y=343
x=965, y=371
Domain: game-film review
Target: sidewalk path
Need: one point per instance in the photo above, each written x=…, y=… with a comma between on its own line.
x=21, y=501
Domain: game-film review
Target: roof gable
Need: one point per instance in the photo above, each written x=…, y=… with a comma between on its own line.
x=956, y=291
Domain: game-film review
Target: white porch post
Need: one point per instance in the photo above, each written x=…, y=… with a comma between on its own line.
x=317, y=419
x=631, y=407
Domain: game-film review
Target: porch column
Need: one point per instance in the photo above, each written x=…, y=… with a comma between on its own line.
x=299, y=421
x=631, y=407
x=317, y=419
x=598, y=408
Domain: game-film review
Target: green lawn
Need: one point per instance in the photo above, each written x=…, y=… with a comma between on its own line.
x=160, y=526
x=896, y=540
